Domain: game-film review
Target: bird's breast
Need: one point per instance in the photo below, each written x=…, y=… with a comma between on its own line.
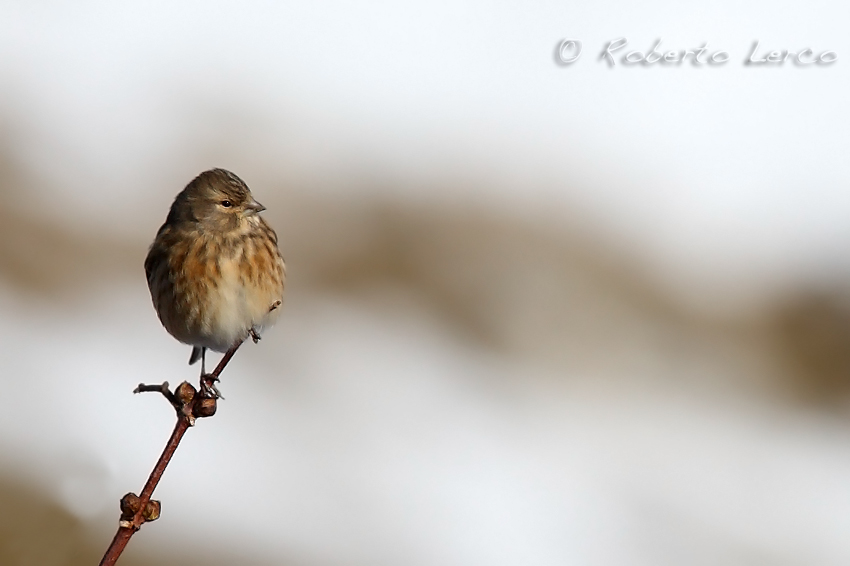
x=245, y=285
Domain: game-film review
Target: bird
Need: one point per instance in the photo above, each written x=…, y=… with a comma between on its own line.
x=214, y=270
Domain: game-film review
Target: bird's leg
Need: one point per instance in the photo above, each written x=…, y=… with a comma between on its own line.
x=203, y=360
x=208, y=388
x=255, y=336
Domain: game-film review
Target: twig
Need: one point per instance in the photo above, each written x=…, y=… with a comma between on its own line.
x=139, y=509
x=142, y=388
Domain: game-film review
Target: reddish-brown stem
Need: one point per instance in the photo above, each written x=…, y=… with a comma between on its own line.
x=187, y=410
x=224, y=360
x=128, y=528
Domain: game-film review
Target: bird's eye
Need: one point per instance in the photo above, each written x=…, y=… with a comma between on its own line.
x=226, y=203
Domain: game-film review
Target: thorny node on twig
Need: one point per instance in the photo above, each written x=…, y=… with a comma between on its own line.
x=132, y=503
x=185, y=398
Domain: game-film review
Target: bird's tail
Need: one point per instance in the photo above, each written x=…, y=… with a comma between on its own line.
x=197, y=354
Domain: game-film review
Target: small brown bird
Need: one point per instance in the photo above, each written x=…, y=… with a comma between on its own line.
x=214, y=270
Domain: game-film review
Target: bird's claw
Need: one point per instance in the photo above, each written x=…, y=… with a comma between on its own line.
x=208, y=388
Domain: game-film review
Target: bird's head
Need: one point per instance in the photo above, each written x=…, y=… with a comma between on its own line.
x=217, y=200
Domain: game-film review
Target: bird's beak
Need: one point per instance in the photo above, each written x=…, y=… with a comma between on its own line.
x=254, y=207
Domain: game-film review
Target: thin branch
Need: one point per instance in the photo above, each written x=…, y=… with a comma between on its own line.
x=189, y=405
x=144, y=511
x=175, y=402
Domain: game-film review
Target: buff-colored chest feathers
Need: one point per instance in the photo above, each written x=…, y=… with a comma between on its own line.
x=235, y=279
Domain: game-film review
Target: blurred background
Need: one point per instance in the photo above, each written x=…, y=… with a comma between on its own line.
x=535, y=314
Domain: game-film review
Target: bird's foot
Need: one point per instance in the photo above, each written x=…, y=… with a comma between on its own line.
x=208, y=388
x=254, y=335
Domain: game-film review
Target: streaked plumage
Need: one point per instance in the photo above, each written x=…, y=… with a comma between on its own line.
x=214, y=269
